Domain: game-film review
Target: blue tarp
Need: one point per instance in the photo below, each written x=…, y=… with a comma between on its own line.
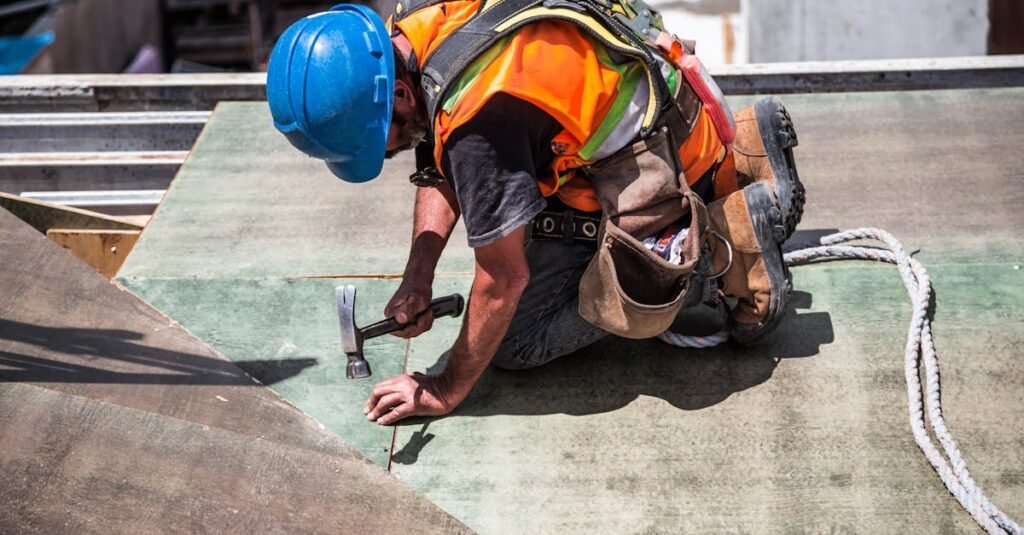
x=17, y=52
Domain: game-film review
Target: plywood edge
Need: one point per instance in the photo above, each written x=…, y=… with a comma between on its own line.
x=104, y=250
x=44, y=216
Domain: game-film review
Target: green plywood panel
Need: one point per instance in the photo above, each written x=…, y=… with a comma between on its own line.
x=806, y=434
x=287, y=334
x=247, y=204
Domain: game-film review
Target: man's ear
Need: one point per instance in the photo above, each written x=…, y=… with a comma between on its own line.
x=405, y=98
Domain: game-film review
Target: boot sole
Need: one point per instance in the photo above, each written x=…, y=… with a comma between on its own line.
x=766, y=218
x=779, y=138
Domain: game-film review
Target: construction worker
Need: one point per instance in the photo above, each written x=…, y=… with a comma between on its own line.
x=523, y=115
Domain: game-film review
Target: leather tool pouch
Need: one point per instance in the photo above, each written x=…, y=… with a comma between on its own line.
x=627, y=290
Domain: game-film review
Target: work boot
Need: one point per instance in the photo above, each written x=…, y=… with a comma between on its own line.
x=747, y=234
x=763, y=151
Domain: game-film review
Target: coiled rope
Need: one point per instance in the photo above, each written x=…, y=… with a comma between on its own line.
x=951, y=468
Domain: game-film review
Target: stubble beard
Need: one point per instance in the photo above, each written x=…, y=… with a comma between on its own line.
x=412, y=130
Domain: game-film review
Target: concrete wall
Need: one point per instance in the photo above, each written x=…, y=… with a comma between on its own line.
x=98, y=36
x=812, y=30
x=717, y=26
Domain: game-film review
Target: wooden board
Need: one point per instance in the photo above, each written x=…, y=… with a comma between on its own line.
x=115, y=419
x=44, y=216
x=74, y=465
x=104, y=250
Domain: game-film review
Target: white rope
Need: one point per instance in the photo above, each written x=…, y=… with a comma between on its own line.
x=694, y=342
x=952, y=469
x=920, y=347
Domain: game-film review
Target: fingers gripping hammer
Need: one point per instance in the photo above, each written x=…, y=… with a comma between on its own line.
x=352, y=337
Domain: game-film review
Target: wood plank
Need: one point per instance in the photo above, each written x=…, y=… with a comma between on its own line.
x=104, y=250
x=64, y=325
x=74, y=465
x=44, y=216
x=114, y=418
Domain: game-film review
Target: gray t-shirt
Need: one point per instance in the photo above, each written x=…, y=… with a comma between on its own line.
x=493, y=162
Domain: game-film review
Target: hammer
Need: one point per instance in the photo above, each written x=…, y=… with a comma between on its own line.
x=352, y=337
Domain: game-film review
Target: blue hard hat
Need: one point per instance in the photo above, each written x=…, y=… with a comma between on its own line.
x=330, y=86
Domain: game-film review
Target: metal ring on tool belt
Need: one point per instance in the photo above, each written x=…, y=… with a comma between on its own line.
x=728, y=266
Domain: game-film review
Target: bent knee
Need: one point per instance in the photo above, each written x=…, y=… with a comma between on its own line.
x=512, y=356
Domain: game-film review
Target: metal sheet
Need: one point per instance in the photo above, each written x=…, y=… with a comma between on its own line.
x=90, y=132
x=203, y=91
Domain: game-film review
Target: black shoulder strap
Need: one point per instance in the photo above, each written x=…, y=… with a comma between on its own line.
x=464, y=45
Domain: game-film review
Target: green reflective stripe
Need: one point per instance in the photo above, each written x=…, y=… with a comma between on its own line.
x=562, y=179
x=630, y=77
x=632, y=74
x=671, y=78
x=472, y=72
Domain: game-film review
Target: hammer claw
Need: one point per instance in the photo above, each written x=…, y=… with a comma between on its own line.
x=352, y=337
x=346, y=296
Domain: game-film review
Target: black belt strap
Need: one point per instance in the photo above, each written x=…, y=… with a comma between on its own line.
x=568, y=226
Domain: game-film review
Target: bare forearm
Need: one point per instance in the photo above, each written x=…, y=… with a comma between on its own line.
x=435, y=215
x=502, y=273
x=493, y=301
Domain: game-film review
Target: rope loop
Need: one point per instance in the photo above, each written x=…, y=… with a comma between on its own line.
x=924, y=402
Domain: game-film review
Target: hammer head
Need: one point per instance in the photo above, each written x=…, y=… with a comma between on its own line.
x=351, y=337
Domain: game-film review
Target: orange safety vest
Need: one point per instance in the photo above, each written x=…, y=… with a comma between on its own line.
x=552, y=65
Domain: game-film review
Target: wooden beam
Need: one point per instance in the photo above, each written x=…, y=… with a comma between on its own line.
x=104, y=250
x=44, y=216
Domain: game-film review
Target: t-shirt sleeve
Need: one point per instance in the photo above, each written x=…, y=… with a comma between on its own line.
x=493, y=162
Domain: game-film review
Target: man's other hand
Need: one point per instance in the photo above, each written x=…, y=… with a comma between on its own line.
x=411, y=305
x=408, y=395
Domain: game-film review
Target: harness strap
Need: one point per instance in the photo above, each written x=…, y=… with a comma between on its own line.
x=459, y=49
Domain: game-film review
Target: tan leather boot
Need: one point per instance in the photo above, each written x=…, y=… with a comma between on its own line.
x=763, y=151
x=746, y=246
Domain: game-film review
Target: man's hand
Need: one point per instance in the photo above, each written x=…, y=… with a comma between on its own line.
x=501, y=275
x=411, y=304
x=409, y=395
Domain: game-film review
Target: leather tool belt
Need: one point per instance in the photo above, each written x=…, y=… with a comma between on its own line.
x=627, y=289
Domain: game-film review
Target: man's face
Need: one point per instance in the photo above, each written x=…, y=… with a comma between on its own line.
x=408, y=125
x=407, y=130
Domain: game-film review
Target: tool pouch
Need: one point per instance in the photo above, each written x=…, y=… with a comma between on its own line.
x=628, y=290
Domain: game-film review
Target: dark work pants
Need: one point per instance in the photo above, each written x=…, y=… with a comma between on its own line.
x=547, y=325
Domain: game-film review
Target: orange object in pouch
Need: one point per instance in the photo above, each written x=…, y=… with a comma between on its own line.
x=703, y=85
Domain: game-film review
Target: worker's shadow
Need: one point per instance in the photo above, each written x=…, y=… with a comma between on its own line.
x=614, y=372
